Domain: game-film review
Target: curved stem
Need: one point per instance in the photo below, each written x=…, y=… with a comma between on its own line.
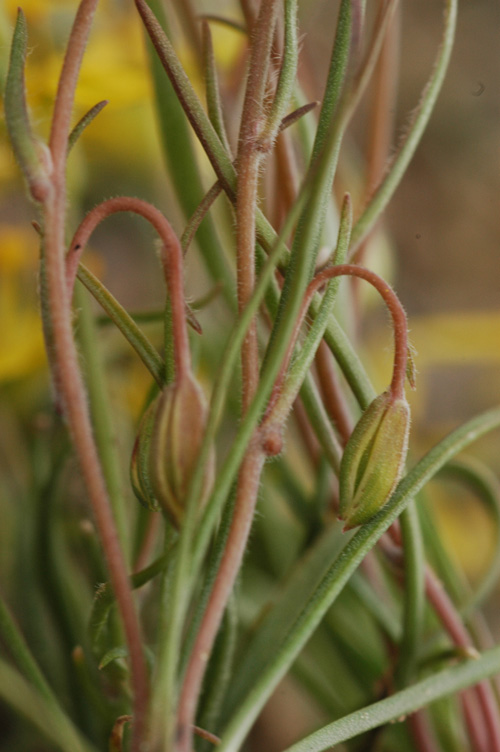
x=171, y=257
x=64, y=360
x=248, y=160
x=199, y=214
x=395, y=309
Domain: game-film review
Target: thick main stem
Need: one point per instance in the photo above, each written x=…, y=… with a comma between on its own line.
x=248, y=160
x=245, y=223
x=67, y=375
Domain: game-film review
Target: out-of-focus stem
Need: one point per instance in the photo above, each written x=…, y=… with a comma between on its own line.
x=446, y=611
x=248, y=159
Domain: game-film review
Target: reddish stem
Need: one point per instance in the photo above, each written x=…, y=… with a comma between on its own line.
x=395, y=309
x=423, y=736
x=65, y=364
x=248, y=159
x=171, y=257
x=306, y=432
x=241, y=524
x=476, y=730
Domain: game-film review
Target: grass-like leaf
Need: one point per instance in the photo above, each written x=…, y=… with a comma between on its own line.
x=125, y=324
x=343, y=567
x=385, y=191
x=47, y=718
x=26, y=147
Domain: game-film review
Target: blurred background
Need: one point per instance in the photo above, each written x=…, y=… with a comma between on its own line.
x=439, y=243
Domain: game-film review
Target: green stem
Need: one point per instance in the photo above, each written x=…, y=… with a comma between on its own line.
x=414, y=595
x=46, y=716
x=126, y=324
x=100, y=409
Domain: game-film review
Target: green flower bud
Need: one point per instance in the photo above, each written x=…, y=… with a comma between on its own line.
x=177, y=433
x=373, y=459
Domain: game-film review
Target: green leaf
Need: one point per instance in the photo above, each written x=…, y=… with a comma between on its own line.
x=125, y=324
x=288, y=73
x=33, y=157
x=397, y=706
x=342, y=569
x=84, y=122
x=484, y=483
x=419, y=122
x=306, y=575
x=48, y=719
x=214, y=105
x=117, y=653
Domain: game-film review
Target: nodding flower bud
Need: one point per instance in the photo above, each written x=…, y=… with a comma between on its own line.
x=373, y=459
x=177, y=432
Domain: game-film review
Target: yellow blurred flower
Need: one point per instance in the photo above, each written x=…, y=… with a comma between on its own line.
x=21, y=340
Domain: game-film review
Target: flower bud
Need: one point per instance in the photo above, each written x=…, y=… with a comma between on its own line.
x=373, y=459
x=177, y=434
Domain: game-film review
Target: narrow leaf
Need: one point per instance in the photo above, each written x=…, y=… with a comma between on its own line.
x=385, y=191
x=342, y=569
x=84, y=122
x=292, y=118
x=28, y=150
x=115, y=654
x=288, y=73
x=125, y=324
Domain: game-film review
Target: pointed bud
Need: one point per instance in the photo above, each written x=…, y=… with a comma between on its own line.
x=373, y=459
x=177, y=435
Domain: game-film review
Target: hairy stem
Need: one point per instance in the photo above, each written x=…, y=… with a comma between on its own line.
x=171, y=257
x=67, y=375
x=241, y=524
